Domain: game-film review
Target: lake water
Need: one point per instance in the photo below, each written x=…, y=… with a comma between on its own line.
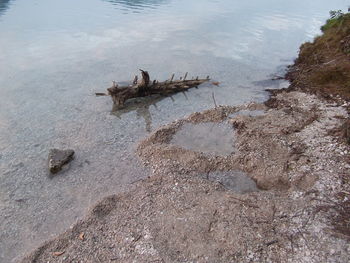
x=55, y=54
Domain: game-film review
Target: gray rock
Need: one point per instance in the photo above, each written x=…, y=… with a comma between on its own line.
x=58, y=158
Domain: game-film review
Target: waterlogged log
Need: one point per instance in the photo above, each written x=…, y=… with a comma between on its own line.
x=146, y=87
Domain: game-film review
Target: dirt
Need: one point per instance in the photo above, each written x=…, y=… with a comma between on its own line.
x=177, y=215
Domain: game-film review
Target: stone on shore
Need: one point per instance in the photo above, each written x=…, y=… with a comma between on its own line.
x=58, y=158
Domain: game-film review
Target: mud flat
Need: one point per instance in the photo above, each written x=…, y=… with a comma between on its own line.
x=178, y=215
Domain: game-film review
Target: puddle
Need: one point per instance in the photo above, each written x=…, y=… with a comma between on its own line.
x=209, y=137
x=252, y=113
x=236, y=181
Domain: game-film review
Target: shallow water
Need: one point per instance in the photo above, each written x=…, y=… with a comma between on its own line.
x=55, y=54
x=236, y=181
x=209, y=137
x=251, y=113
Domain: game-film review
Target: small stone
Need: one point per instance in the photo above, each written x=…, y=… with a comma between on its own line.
x=58, y=158
x=58, y=253
x=82, y=236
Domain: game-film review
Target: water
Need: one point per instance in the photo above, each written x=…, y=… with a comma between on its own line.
x=250, y=113
x=236, y=181
x=209, y=137
x=55, y=54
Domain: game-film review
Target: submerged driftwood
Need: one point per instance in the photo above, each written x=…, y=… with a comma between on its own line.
x=146, y=87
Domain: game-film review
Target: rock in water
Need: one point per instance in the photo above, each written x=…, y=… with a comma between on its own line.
x=58, y=158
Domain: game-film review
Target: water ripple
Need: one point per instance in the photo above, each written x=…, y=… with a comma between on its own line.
x=137, y=6
x=4, y=5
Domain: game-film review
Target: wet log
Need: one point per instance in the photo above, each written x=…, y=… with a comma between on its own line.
x=146, y=87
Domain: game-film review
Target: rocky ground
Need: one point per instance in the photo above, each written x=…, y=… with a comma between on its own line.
x=294, y=153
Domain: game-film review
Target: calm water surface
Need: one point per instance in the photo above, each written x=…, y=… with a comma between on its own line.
x=55, y=54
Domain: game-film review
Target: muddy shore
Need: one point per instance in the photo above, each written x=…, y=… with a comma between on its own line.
x=176, y=215
x=295, y=150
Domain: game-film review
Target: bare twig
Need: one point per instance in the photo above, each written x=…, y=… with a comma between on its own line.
x=212, y=94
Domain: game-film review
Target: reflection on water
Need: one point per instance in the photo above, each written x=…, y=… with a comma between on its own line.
x=137, y=5
x=54, y=55
x=271, y=83
x=210, y=138
x=4, y=5
x=142, y=108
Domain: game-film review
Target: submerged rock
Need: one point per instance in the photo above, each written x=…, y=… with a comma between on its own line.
x=58, y=158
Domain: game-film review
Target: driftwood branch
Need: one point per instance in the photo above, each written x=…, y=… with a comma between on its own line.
x=146, y=87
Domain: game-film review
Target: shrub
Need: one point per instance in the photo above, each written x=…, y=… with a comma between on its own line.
x=336, y=18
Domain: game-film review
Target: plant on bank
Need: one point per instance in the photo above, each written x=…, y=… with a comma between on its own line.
x=336, y=19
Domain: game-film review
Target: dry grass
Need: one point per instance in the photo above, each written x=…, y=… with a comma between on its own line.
x=341, y=220
x=339, y=215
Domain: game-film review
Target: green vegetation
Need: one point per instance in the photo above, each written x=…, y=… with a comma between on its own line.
x=336, y=20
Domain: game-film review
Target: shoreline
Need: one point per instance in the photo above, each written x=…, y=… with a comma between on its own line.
x=176, y=210
x=296, y=152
